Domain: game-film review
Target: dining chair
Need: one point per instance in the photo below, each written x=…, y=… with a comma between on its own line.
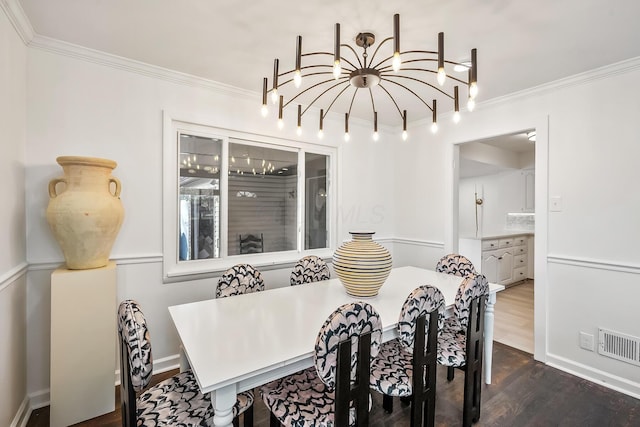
x=239, y=279
x=335, y=391
x=309, y=269
x=174, y=401
x=251, y=243
x=406, y=367
x=460, y=345
x=455, y=264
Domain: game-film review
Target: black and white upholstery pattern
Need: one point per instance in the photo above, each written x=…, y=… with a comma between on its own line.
x=392, y=369
x=239, y=279
x=455, y=264
x=309, y=269
x=176, y=401
x=307, y=398
x=452, y=340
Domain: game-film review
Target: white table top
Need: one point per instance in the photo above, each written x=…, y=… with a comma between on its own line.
x=246, y=338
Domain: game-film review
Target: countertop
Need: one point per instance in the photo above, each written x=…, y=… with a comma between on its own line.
x=505, y=234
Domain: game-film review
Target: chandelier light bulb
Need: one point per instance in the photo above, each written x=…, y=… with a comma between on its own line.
x=376, y=136
x=473, y=90
x=471, y=104
x=456, y=117
x=320, y=134
x=299, y=131
x=442, y=76
x=280, y=124
x=264, y=110
x=274, y=96
x=297, y=78
x=434, y=127
x=395, y=64
x=337, y=70
x=405, y=135
x=347, y=137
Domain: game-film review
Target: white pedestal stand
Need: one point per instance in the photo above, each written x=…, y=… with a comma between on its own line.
x=83, y=344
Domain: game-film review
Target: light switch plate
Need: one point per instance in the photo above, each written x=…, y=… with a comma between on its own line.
x=556, y=204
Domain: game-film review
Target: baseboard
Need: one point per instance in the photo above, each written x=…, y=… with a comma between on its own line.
x=605, y=379
x=39, y=399
x=22, y=416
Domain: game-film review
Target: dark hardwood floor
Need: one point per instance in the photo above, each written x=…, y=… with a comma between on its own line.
x=524, y=393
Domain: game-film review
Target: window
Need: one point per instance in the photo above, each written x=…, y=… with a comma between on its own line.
x=230, y=198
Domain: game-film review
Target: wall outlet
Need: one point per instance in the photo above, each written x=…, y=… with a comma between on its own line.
x=556, y=204
x=586, y=341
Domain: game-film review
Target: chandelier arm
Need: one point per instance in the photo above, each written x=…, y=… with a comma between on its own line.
x=416, y=80
x=311, y=87
x=426, y=71
x=392, y=99
x=336, y=98
x=322, y=93
x=409, y=90
x=373, y=104
x=331, y=54
x=354, y=54
x=376, y=51
x=352, y=99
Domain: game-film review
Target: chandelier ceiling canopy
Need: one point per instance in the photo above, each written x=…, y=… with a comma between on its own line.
x=384, y=74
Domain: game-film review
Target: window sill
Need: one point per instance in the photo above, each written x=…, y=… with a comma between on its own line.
x=202, y=269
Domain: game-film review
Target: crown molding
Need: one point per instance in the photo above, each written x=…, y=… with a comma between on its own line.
x=617, y=68
x=18, y=18
x=121, y=63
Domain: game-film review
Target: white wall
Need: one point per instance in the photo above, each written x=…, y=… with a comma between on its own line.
x=590, y=253
x=80, y=107
x=13, y=288
x=501, y=193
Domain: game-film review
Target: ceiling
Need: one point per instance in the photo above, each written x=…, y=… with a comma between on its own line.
x=517, y=146
x=521, y=44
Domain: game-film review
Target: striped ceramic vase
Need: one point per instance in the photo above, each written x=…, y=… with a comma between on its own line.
x=362, y=265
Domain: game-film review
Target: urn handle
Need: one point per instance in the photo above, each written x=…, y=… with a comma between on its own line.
x=116, y=181
x=52, y=186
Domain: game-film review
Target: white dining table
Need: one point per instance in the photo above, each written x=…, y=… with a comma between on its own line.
x=238, y=343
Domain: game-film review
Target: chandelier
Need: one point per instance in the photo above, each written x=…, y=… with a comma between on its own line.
x=414, y=72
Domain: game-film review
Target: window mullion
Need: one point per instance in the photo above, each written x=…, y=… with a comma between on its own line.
x=224, y=198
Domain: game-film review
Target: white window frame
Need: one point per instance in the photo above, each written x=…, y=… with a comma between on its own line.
x=174, y=270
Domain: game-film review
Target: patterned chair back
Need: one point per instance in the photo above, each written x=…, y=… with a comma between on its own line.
x=309, y=269
x=421, y=301
x=136, y=344
x=455, y=264
x=239, y=279
x=472, y=287
x=348, y=322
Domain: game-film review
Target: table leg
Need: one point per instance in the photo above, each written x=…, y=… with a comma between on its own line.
x=488, y=336
x=184, y=362
x=223, y=400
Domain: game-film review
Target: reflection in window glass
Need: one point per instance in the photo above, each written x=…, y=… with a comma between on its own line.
x=262, y=199
x=316, y=166
x=199, y=212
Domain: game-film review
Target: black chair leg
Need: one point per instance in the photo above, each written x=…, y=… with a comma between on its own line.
x=472, y=389
x=387, y=403
x=247, y=417
x=406, y=400
x=236, y=421
x=450, y=372
x=274, y=422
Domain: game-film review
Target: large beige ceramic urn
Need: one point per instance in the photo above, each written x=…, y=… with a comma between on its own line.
x=85, y=212
x=362, y=265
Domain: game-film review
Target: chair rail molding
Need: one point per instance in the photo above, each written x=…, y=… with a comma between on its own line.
x=594, y=263
x=10, y=276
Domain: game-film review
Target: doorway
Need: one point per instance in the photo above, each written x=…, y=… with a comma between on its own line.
x=496, y=225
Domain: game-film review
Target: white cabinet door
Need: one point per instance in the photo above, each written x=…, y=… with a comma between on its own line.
x=490, y=266
x=505, y=268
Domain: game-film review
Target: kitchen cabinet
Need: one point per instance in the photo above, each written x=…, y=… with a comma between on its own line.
x=502, y=259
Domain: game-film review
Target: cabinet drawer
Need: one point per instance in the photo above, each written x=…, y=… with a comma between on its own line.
x=505, y=243
x=520, y=241
x=519, y=273
x=488, y=245
x=519, y=250
x=520, y=261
